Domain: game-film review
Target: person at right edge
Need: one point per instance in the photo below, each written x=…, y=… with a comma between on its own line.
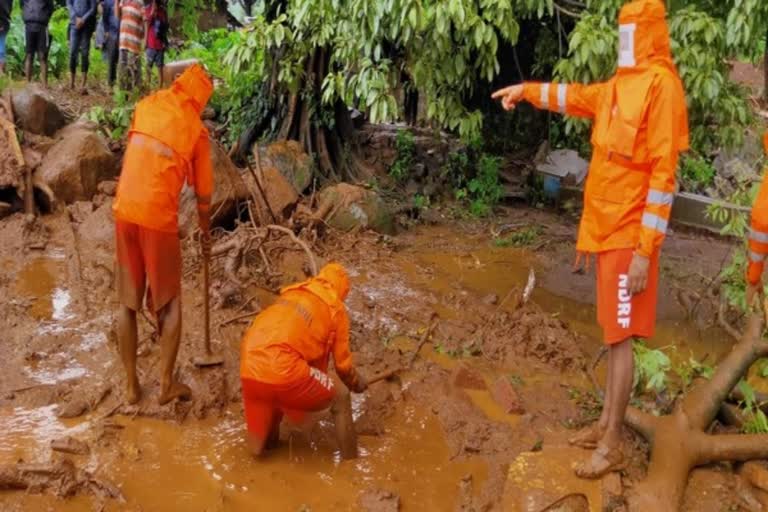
x=758, y=239
x=167, y=145
x=284, y=358
x=640, y=127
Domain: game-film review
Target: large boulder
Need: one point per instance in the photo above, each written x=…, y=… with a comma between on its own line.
x=281, y=194
x=36, y=111
x=347, y=207
x=76, y=164
x=228, y=189
x=289, y=158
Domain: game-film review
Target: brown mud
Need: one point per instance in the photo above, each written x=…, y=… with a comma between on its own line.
x=426, y=441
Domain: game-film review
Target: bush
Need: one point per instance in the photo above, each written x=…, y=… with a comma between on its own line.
x=696, y=173
x=406, y=152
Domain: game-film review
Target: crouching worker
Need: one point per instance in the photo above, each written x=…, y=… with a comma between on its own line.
x=284, y=359
x=758, y=239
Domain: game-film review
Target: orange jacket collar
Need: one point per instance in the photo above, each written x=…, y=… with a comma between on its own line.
x=195, y=84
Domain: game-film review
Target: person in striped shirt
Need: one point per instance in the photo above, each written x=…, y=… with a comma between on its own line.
x=131, y=15
x=640, y=127
x=758, y=238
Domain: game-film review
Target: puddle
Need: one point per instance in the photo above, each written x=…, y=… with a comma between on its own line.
x=41, y=278
x=28, y=432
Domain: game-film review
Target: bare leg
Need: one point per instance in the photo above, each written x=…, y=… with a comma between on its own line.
x=169, y=323
x=588, y=437
x=28, y=68
x=255, y=444
x=127, y=339
x=44, y=72
x=85, y=81
x=341, y=409
x=608, y=456
x=160, y=73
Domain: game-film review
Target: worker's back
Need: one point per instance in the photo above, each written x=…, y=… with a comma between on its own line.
x=166, y=137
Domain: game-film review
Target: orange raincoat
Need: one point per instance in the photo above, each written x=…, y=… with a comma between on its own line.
x=758, y=234
x=300, y=330
x=167, y=145
x=640, y=125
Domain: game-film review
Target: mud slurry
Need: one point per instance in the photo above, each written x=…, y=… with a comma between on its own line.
x=424, y=441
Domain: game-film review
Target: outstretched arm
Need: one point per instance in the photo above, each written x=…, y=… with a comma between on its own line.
x=577, y=100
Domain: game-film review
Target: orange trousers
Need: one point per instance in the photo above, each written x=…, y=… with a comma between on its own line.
x=621, y=314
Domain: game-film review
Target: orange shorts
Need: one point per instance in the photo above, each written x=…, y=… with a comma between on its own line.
x=265, y=403
x=620, y=314
x=147, y=256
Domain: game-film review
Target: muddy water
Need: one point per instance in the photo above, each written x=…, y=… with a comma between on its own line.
x=204, y=465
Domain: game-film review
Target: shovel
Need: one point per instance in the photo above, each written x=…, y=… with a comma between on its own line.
x=207, y=359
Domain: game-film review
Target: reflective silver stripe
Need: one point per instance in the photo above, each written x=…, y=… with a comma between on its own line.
x=544, y=95
x=659, y=197
x=758, y=236
x=755, y=257
x=562, y=91
x=653, y=221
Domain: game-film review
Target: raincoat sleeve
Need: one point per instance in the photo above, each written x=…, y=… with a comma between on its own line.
x=203, y=169
x=342, y=356
x=576, y=100
x=758, y=232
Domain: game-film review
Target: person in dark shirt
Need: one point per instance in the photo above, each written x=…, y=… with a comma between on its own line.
x=111, y=24
x=5, y=25
x=82, y=24
x=36, y=15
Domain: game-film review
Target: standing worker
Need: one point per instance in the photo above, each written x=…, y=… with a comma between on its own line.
x=111, y=24
x=640, y=126
x=5, y=25
x=36, y=15
x=167, y=144
x=284, y=360
x=82, y=23
x=758, y=239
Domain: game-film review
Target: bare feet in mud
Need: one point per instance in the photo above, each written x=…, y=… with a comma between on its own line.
x=176, y=390
x=587, y=438
x=133, y=393
x=604, y=460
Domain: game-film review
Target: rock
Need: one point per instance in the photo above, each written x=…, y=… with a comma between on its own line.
x=36, y=111
x=208, y=114
x=756, y=473
x=73, y=409
x=612, y=492
x=80, y=124
x=70, y=445
x=5, y=209
x=98, y=227
x=75, y=165
x=565, y=164
x=289, y=158
x=228, y=189
x=282, y=196
x=491, y=299
x=108, y=188
x=379, y=500
x=505, y=394
x=346, y=207
x=466, y=378
x=80, y=210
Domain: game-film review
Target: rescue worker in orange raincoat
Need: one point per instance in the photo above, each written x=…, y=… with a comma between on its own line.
x=758, y=238
x=640, y=126
x=167, y=145
x=284, y=358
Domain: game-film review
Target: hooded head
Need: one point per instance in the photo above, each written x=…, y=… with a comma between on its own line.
x=643, y=34
x=195, y=83
x=336, y=277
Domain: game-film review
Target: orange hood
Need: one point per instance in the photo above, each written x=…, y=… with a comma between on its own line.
x=195, y=83
x=331, y=284
x=643, y=35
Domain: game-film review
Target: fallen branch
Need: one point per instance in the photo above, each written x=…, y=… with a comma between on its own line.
x=236, y=318
x=424, y=337
x=301, y=243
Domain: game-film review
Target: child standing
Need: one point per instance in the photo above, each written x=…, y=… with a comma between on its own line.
x=157, y=37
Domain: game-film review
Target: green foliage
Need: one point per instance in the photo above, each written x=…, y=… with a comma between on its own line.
x=189, y=12
x=406, y=153
x=115, y=121
x=757, y=422
x=484, y=190
x=58, y=57
x=696, y=173
x=747, y=22
x=690, y=370
x=521, y=238
x=421, y=202
x=651, y=368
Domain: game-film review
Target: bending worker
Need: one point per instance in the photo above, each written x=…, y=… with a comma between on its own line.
x=284, y=359
x=758, y=238
x=167, y=145
x=640, y=126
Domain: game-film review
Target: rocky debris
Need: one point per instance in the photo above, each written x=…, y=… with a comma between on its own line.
x=83, y=400
x=464, y=377
x=347, y=207
x=36, y=111
x=738, y=167
x=61, y=478
x=289, y=158
x=280, y=193
x=228, y=189
x=80, y=124
x=505, y=394
x=70, y=445
x=76, y=164
x=98, y=226
x=5, y=209
x=491, y=299
x=613, y=493
x=379, y=500
x=80, y=210
x=11, y=156
x=565, y=164
x=756, y=473
x=108, y=188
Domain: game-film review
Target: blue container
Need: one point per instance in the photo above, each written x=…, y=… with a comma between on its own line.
x=551, y=187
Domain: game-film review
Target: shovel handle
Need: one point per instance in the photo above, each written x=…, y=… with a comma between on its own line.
x=206, y=264
x=384, y=375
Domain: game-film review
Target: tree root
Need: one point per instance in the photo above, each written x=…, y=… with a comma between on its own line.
x=300, y=243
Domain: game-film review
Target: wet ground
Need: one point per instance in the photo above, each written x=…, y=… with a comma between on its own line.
x=429, y=437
